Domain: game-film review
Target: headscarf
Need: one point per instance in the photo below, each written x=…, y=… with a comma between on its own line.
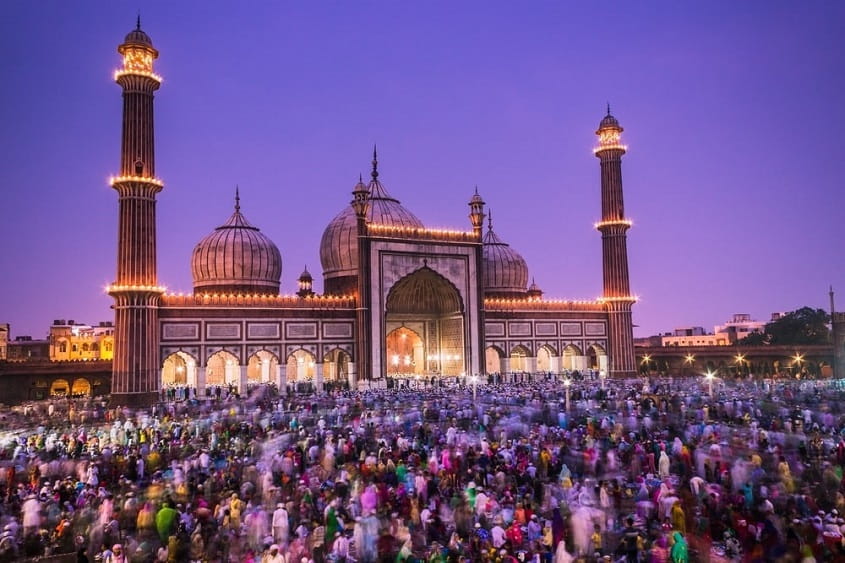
x=679, y=552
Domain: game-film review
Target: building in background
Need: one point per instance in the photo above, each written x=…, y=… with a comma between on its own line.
x=71, y=341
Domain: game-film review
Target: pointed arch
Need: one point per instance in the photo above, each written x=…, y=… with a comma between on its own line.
x=493, y=359
x=545, y=353
x=262, y=367
x=222, y=368
x=336, y=365
x=519, y=355
x=179, y=368
x=300, y=365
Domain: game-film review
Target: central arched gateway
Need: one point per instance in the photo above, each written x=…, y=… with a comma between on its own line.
x=425, y=327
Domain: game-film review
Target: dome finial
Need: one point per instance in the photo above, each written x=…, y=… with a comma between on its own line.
x=374, y=173
x=237, y=199
x=608, y=108
x=489, y=219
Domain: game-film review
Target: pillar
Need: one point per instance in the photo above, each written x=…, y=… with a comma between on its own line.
x=265, y=371
x=554, y=364
x=282, y=378
x=530, y=364
x=351, y=375
x=318, y=377
x=242, y=380
x=200, y=382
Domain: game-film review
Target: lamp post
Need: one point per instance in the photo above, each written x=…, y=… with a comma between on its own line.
x=689, y=360
x=474, y=380
x=709, y=376
x=602, y=377
x=566, y=384
x=797, y=359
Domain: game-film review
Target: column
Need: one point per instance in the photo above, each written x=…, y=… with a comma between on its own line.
x=318, y=377
x=506, y=369
x=351, y=375
x=554, y=364
x=242, y=380
x=282, y=379
x=530, y=364
x=200, y=382
x=265, y=371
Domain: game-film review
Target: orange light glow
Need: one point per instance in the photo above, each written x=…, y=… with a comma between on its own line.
x=122, y=179
x=123, y=72
x=615, y=222
x=117, y=288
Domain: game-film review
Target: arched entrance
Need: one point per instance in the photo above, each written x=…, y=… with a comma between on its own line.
x=570, y=357
x=424, y=317
x=300, y=366
x=179, y=369
x=544, y=358
x=262, y=367
x=596, y=358
x=222, y=368
x=493, y=359
x=81, y=387
x=336, y=365
x=519, y=356
x=405, y=352
x=60, y=387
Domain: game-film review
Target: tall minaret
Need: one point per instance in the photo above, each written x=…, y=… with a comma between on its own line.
x=135, y=369
x=613, y=227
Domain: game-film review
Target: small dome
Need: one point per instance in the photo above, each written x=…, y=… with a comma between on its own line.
x=339, y=245
x=305, y=275
x=609, y=122
x=236, y=258
x=505, y=271
x=137, y=37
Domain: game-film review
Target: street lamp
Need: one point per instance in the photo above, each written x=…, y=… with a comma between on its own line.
x=797, y=359
x=689, y=360
x=709, y=376
x=602, y=377
x=474, y=380
x=566, y=383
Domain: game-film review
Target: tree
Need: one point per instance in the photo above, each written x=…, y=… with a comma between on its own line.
x=803, y=326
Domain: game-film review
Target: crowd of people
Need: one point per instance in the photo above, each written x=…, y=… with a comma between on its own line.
x=660, y=470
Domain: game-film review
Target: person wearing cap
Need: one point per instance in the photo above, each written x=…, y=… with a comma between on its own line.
x=272, y=555
x=281, y=525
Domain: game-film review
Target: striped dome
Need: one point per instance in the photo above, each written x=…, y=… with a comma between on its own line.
x=339, y=245
x=236, y=258
x=505, y=271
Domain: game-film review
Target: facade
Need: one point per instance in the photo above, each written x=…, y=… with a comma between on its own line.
x=741, y=325
x=70, y=341
x=400, y=300
x=4, y=340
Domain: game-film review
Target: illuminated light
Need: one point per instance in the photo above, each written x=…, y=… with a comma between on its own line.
x=620, y=299
x=646, y=359
x=115, y=288
x=608, y=147
x=739, y=358
x=614, y=223
x=144, y=73
x=125, y=179
x=689, y=358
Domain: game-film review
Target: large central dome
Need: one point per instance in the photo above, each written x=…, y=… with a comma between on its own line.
x=339, y=245
x=236, y=258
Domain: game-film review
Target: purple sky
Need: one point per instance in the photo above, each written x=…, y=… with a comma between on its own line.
x=731, y=111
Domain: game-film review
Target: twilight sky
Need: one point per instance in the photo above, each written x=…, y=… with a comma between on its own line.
x=731, y=112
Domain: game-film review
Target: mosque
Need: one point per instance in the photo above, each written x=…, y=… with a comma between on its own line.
x=400, y=300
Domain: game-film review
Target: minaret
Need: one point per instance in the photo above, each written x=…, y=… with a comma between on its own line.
x=476, y=213
x=613, y=227
x=136, y=369
x=363, y=315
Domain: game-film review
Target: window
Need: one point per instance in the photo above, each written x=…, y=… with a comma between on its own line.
x=63, y=347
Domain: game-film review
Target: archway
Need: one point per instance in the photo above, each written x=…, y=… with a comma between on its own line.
x=544, y=358
x=81, y=387
x=519, y=355
x=336, y=365
x=571, y=355
x=59, y=387
x=300, y=366
x=262, y=367
x=431, y=311
x=493, y=359
x=222, y=368
x=405, y=352
x=178, y=368
x=596, y=358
